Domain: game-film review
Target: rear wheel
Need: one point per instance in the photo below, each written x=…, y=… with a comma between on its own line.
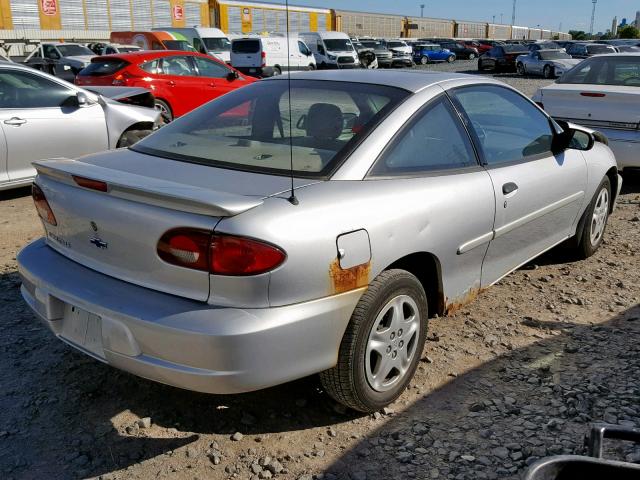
x=521, y=69
x=277, y=71
x=548, y=71
x=594, y=222
x=451, y=59
x=382, y=345
x=165, y=110
x=424, y=60
x=472, y=56
x=312, y=66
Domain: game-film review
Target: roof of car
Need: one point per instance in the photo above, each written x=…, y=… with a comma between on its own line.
x=142, y=55
x=411, y=80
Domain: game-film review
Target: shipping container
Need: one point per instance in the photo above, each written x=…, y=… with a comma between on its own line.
x=519, y=33
x=428, y=27
x=471, y=30
x=238, y=17
x=535, y=34
x=361, y=24
x=546, y=35
x=499, y=32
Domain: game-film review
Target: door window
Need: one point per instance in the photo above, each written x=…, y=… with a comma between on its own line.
x=51, y=52
x=210, y=68
x=434, y=140
x=178, y=66
x=506, y=125
x=303, y=49
x=24, y=90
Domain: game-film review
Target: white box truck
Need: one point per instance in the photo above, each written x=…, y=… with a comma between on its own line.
x=268, y=56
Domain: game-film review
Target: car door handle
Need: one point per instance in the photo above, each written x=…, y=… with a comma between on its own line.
x=508, y=188
x=15, y=121
x=171, y=83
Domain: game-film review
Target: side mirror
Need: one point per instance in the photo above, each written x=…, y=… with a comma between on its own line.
x=232, y=75
x=83, y=99
x=572, y=138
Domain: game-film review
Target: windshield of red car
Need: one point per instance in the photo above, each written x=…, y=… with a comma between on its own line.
x=249, y=128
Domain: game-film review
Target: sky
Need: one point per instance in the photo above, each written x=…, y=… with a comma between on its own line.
x=573, y=14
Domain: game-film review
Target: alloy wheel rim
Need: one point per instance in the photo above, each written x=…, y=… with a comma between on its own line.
x=392, y=343
x=599, y=217
x=164, y=113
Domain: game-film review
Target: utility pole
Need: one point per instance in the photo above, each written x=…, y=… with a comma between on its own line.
x=494, y=19
x=593, y=16
x=560, y=27
x=501, y=15
x=422, y=10
x=513, y=15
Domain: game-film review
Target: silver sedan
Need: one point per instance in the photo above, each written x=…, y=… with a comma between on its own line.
x=548, y=63
x=42, y=116
x=291, y=228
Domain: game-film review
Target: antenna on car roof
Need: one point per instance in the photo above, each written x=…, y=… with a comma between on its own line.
x=292, y=198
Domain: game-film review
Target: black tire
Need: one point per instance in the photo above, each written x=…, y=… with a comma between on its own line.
x=424, y=60
x=472, y=56
x=312, y=66
x=547, y=71
x=583, y=243
x=276, y=71
x=451, y=59
x=347, y=382
x=130, y=137
x=480, y=66
x=521, y=70
x=165, y=110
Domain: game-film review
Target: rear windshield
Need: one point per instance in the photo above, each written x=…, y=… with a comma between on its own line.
x=600, y=49
x=74, y=50
x=623, y=70
x=128, y=49
x=178, y=45
x=555, y=55
x=249, y=128
x=98, y=68
x=396, y=44
x=245, y=46
x=513, y=48
x=217, y=44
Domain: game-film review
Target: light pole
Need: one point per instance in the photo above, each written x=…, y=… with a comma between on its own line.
x=501, y=15
x=513, y=14
x=494, y=19
x=593, y=16
x=422, y=10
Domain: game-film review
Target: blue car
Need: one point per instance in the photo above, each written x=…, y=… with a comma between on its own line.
x=428, y=52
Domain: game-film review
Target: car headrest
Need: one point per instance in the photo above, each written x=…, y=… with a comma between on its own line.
x=324, y=120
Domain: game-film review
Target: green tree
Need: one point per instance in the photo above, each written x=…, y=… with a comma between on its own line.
x=578, y=34
x=629, y=31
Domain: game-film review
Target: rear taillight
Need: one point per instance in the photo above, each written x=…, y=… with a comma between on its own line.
x=218, y=254
x=263, y=55
x=91, y=184
x=121, y=79
x=593, y=94
x=42, y=206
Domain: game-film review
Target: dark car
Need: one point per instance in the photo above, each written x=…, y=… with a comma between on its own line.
x=533, y=47
x=586, y=50
x=483, y=45
x=501, y=58
x=460, y=50
x=384, y=56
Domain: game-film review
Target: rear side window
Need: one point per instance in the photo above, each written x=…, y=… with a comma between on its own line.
x=434, y=140
x=101, y=68
x=623, y=70
x=151, y=67
x=506, y=125
x=245, y=46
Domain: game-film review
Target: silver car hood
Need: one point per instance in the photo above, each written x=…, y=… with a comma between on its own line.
x=567, y=62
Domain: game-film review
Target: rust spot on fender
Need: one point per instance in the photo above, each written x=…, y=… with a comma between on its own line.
x=453, y=306
x=343, y=280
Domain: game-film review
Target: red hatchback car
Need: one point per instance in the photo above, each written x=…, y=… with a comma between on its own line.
x=180, y=81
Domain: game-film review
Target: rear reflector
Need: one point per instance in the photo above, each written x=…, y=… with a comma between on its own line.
x=91, y=184
x=593, y=94
x=218, y=254
x=42, y=206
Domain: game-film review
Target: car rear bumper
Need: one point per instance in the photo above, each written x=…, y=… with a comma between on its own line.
x=177, y=341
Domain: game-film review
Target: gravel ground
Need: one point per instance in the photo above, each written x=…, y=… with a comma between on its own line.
x=517, y=375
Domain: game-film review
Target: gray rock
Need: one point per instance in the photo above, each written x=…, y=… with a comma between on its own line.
x=144, y=422
x=500, y=452
x=236, y=437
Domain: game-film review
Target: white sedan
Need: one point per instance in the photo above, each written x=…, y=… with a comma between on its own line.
x=603, y=93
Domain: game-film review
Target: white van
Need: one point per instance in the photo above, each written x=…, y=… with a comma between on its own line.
x=332, y=49
x=268, y=56
x=210, y=41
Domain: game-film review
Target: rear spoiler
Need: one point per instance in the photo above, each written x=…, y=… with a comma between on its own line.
x=149, y=190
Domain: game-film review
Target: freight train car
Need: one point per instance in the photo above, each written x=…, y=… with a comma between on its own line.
x=361, y=24
x=499, y=32
x=546, y=35
x=535, y=34
x=239, y=17
x=428, y=28
x=471, y=30
x=519, y=33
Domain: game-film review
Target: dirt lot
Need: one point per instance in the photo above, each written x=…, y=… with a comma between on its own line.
x=517, y=375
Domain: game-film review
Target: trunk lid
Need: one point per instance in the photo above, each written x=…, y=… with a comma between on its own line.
x=117, y=232
x=598, y=106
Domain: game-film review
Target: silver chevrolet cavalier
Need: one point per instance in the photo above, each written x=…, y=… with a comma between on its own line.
x=312, y=225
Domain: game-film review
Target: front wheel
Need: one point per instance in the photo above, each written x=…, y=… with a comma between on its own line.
x=451, y=59
x=382, y=345
x=547, y=71
x=312, y=66
x=424, y=60
x=594, y=221
x=521, y=70
x=165, y=110
x=472, y=56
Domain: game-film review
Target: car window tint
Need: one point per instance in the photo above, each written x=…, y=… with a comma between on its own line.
x=24, y=90
x=151, y=67
x=177, y=66
x=210, y=68
x=303, y=48
x=51, y=52
x=508, y=127
x=435, y=140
